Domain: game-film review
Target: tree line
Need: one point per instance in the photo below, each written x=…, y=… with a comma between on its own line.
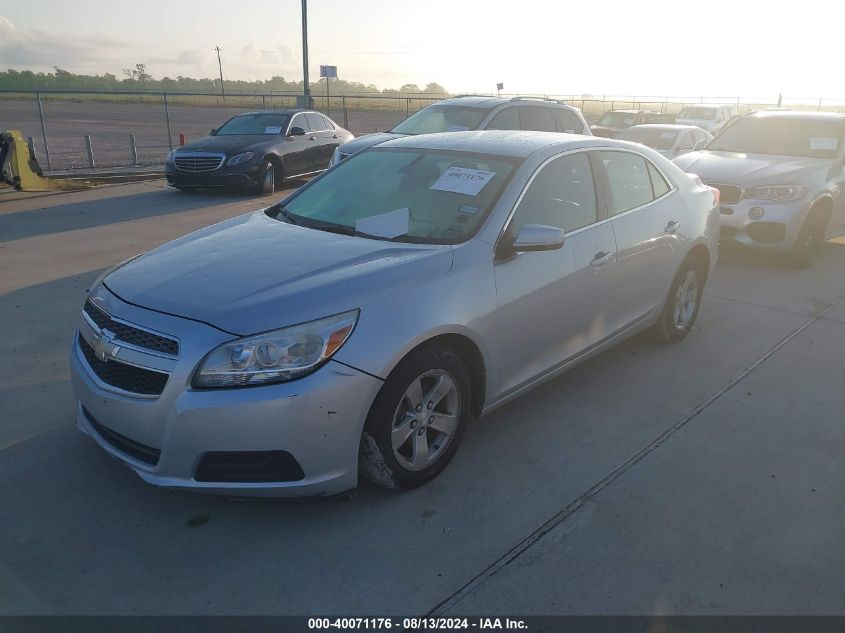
x=138, y=78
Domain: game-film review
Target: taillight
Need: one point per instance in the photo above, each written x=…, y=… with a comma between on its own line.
x=717, y=196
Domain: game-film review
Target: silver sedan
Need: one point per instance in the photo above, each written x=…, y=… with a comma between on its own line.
x=357, y=325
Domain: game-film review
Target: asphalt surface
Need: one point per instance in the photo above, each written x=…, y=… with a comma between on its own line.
x=110, y=124
x=702, y=478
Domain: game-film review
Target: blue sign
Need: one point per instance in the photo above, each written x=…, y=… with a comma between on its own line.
x=328, y=71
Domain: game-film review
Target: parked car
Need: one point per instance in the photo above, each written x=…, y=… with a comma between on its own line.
x=669, y=139
x=257, y=150
x=780, y=174
x=708, y=117
x=478, y=113
x=611, y=123
x=361, y=321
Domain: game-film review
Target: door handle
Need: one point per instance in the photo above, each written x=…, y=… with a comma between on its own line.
x=673, y=226
x=600, y=259
x=312, y=138
x=334, y=135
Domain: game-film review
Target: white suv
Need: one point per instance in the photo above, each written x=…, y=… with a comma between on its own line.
x=460, y=114
x=708, y=117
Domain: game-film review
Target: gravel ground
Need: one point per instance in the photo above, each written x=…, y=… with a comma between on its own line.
x=110, y=124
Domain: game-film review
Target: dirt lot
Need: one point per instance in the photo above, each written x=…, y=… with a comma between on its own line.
x=110, y=125
x=700, y=478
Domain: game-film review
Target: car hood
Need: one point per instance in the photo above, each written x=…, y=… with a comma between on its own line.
x=368, y=140
x=229, y=144
x=253, y=273
x=748, y=169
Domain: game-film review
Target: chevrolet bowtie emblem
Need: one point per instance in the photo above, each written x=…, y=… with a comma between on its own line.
x=103, y=346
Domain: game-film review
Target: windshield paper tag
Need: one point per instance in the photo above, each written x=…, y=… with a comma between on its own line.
x=390, y=224
x=823, y=144
x=463, y=180
x=273, y=129
x=457, y=128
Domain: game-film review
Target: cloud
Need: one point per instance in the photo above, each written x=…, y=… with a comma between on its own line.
x=43, y=48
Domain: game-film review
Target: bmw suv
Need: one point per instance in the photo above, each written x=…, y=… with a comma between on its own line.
x=781, y=176
x=460, y=114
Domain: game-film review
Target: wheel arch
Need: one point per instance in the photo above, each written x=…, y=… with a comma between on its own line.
x=701, y=253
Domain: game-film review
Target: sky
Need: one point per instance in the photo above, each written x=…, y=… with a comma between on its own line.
x=717, y=48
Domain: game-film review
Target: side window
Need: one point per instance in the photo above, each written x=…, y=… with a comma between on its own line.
x=537, y=118
x=567, y=121
x=630, y=184
x=299, y=120
x=316, y=121
x=507, y=119
x=658, y=182
x=329, y=123
x=561, y=195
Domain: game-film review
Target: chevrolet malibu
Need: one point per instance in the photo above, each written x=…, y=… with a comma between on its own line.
x=357, y=325
x=781, y=177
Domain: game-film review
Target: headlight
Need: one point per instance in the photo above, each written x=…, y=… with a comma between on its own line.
x=277, y=356
x=171, y=158
x=240, y=158
x=778, y=193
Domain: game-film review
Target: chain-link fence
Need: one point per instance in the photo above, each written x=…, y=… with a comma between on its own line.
x=73, y=130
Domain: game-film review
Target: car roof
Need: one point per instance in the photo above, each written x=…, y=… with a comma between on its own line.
x=797, y=114
x=673, y=127
x=482, y=101
x=509, y=143
x=276, y=111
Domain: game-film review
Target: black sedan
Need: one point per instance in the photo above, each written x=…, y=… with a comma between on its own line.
x=257, y=150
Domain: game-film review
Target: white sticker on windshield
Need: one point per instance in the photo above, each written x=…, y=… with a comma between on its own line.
x=823, y=144
x=463, y=180
x=390, y=224
x=272, y=129
x=457, y=128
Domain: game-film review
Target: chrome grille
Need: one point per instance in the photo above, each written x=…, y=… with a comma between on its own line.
x=145, y=382
x=198, y=162
x=130, y=335
x=730, y=194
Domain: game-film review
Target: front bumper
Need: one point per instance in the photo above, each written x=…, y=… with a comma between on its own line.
x=317, y=419
x=775, y=231
x=225, y=176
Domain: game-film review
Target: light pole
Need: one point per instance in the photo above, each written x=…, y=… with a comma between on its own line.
x=220, y=66
x=306, y=91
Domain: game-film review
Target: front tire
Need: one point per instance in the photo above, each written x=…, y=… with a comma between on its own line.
x=417, y=420
x=267, y=178
x=681, y=308
x=808, y=245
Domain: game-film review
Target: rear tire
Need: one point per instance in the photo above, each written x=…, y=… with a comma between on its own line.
x=267, y=178
x=681, y=308
x=417, y=420
x=808, y=245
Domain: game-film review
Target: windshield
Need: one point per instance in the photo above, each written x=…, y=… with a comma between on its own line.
x=254, y=124
x=654, y=138
x=618, y=119
x=412, y=196
x=442, y=118
x=785, y=137
x=699, y=114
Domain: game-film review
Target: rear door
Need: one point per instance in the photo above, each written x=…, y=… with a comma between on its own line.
x=326, y=139
x=552, y=305
x=646, y=213
x=537, y=118
x=299, y=155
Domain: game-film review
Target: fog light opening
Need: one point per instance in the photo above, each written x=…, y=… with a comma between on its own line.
x=755, y=213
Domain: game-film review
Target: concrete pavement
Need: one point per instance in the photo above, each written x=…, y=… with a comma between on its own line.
x=698, y=478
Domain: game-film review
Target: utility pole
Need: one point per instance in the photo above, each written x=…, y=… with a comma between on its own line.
x=306, y=88
x=220, y=66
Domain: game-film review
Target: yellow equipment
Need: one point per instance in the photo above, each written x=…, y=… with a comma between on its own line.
x=19, y=168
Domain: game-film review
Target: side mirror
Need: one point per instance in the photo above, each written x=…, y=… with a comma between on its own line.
x=296, y=131
x=212, y=131
x=538, y=237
